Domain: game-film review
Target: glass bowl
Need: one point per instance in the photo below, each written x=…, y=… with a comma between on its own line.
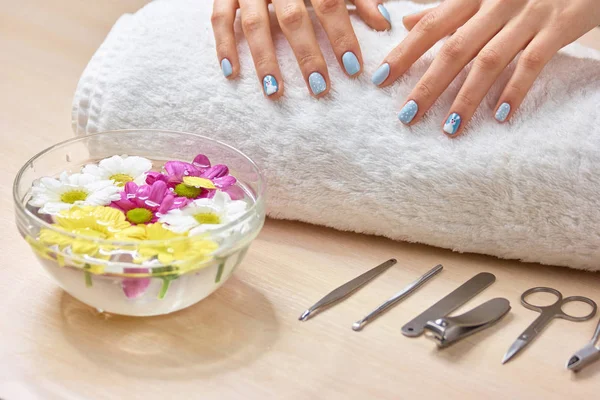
x=108, y=276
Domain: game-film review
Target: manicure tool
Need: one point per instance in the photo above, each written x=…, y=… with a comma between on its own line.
x=448, y=330
x=348, y=288
x=451, y=302
x=547, y=314
x=358, y=325
x=586, y=355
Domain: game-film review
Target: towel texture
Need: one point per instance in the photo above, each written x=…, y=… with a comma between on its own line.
x=528, y=189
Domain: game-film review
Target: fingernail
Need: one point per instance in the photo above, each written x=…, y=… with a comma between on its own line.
x=226, y=67
x=452, y=124
x=385, y=13
x=270, y=85
x=502, y=112
x=381, y=74
x=351, y=64
x=317, y=83
x=408, y=112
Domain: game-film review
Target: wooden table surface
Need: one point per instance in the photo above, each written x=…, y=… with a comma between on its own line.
x=245, y=341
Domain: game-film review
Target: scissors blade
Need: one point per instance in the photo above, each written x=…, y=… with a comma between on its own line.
x=517, y=346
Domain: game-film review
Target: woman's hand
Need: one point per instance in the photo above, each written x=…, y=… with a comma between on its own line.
x=492, y=32
x=297, y=28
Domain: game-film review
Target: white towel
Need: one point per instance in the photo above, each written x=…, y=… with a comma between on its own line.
x=528, y=189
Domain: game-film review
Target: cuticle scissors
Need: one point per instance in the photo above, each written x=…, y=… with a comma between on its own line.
x=547, y=314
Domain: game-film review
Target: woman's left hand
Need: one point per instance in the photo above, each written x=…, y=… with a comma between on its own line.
x=492, y=32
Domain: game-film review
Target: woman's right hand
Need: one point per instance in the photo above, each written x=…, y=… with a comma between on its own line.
x=296, y=25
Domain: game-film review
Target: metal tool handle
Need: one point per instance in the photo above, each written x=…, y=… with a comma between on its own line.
x=451, y=302
x=358, y=325
x=348, y=288
x=448, y=330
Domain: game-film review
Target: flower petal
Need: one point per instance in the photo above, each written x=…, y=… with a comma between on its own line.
x=235, y=192
x=201, y=161
x=216, y=172
x=135, y=287
x=224, y=182
x=152, y=177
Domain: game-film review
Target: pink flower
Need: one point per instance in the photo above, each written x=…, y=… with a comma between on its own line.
x=135, y=287
x=145, y=204
x=178, y=173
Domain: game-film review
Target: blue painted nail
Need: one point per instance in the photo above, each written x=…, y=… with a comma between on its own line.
x=502, y=112
x=385, y=13
x=351, y=64
x=381, y=74
x=408, y=112
x=452, y=124
x=317, y=83
x=270, y=85
x=226, y=67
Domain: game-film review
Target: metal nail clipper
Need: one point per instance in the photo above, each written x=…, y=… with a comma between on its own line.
x=588, y=354
x=447, y=330
x=348, y=288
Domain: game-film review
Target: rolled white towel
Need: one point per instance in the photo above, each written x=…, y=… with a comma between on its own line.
x=528, y=189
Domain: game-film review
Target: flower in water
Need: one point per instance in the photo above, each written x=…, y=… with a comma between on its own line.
x=55, y=195
x=144, y=204
x=120, y=169
x=197, y=179
x=169, y=248
x=87, y=222
x=203, y=215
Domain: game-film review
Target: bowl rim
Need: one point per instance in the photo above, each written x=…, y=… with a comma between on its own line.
x=21, y=206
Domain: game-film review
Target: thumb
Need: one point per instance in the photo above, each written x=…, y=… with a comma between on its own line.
x=374, y=13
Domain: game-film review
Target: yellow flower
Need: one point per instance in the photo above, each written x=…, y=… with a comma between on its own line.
x=172, y=249
x=87, y=222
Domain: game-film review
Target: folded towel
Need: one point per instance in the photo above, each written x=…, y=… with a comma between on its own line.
x=527, y=189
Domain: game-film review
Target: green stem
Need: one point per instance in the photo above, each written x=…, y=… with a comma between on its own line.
x=220, y=272
x=87, y=275
x=164, y=287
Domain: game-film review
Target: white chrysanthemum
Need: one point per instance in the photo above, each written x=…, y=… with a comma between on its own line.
x=204, y=214
x=54, y=195
x=121, y=169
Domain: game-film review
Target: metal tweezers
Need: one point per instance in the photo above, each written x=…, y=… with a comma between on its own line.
x=348, y=288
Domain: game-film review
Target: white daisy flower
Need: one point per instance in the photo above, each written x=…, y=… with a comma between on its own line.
x=204, y=214
x=54, y=195
x=121, y=169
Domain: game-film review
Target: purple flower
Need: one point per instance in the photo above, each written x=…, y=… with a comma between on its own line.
x=144, y=204
x=135, y=287
x=212, y=178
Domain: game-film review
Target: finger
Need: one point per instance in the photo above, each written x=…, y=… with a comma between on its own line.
x=456, y=53
x=487, y=67
x=374, y=13
x=336, y=23
x=409, y=21
x=531, y=62
x=257, y=29
x=440, y=22
x=222, y=20
x=297, y=28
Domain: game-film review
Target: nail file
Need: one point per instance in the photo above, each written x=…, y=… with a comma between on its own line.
x=348, y=288
x=451, y=302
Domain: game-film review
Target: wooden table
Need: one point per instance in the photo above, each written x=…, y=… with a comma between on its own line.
x=245, y=340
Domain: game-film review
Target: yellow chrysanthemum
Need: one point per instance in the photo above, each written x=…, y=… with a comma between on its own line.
x=186, y=254
x=88, y=222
